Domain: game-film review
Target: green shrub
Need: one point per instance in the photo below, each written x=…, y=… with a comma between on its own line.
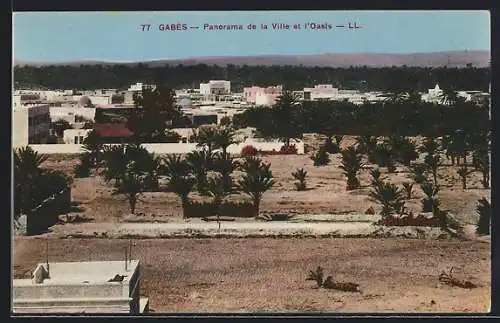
x=330, y=146
x=321, y=157
x=300, y=176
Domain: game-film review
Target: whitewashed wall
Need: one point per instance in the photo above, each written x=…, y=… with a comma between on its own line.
x=174, y=148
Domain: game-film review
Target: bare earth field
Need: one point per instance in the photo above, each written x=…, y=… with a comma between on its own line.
x=268, y=275
x=326, y=194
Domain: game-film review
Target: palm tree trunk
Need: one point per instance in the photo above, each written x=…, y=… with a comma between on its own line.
x=256, y=206
x=486, y=181
x=184, y=203
x=132, y=200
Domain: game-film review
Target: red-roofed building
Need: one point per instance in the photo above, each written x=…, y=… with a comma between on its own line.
x=113, y=132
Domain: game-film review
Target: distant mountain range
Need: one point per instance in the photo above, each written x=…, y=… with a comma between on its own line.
x=435, y=59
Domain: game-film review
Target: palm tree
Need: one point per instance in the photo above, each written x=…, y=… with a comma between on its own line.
x=463, y=172
x=182, y=185
x=430, y=203
x=404, y=150
x=174, y=165
x=396, y=96
x=200, y=161
x=224, y=164
x=131, y=185
x=180, y=178
x=206, y=136
x=429, y=146
x=432, y=162
x=93, y=145
x=131, y=166
x=384, y=157
x=390, y=196
x=449, y=96
x=458, y=145
x=224, y=138
x=256, y=180
x=217, y=187
x=481, y=161
x=375, y=173
x=115, y=163
x=418, y=173
x=284, y=118
x=27, y=172
x=367, y=145
x=447, y=146
x=351, y=164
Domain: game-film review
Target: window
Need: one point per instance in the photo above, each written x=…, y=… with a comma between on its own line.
x=81, y=139
x=76, y=139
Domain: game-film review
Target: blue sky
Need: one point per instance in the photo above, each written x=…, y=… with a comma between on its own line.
x=118, y=36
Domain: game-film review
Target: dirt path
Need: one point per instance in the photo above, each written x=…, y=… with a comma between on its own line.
x=200, y=229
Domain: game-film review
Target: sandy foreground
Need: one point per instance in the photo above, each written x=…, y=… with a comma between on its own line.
x=268, y=274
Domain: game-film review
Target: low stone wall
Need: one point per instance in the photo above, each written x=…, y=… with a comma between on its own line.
x=227, y=209
x=167, y=148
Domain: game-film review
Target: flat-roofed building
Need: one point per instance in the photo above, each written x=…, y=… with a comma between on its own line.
x=81, y=287
x=321, y=91
x=216, y=87
x=30, y=124
x=262, y=95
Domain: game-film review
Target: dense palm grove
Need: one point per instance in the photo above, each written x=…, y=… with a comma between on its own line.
x=407, y=117
x=291, y=77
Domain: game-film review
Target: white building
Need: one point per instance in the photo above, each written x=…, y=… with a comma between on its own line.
x=69, y=113
x=216, y=87
x=433, y=95
x=137, y=87
x=30, y=124
x=100, y=99
x=265, y=98
x=75, y=136
x=321, y=91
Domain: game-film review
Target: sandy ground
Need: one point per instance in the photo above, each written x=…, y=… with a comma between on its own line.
x=268, y=275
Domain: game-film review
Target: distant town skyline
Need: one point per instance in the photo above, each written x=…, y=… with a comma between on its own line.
x=124, y=36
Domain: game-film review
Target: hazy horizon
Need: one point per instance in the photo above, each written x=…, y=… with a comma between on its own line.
x=240, y=56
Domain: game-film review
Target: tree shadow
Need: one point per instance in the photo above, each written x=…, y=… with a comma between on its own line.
x=307, y=189
x=74, y=218
x=75, y=207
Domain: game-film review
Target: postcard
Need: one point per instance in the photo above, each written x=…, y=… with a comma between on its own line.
x=232, y=162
